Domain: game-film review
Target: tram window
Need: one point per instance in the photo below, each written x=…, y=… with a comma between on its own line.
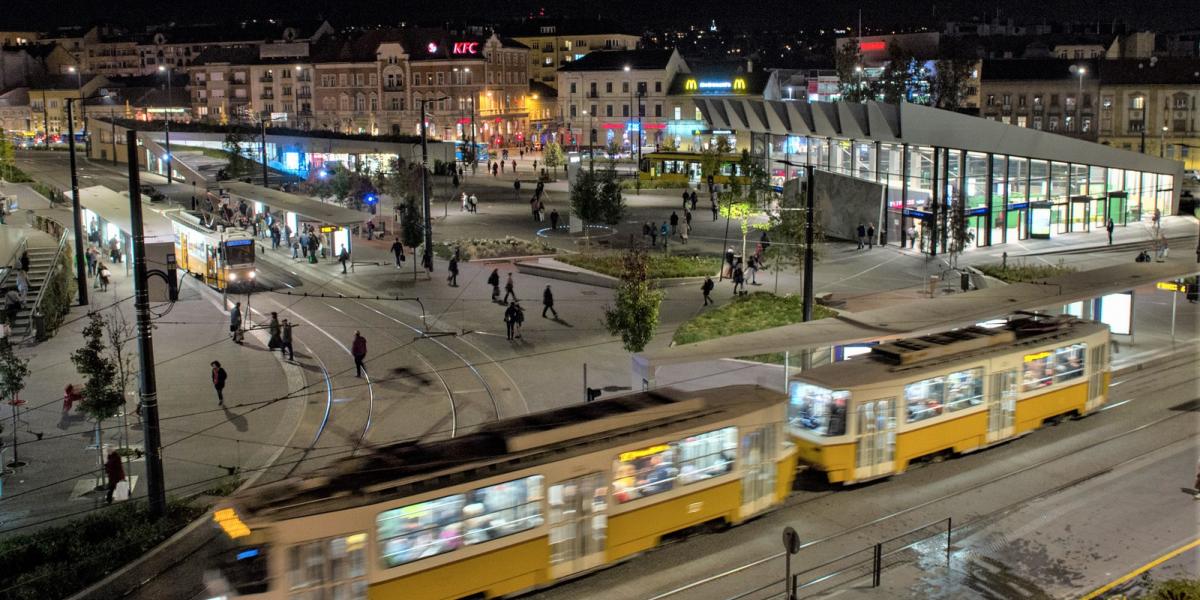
x=924, y=399
x=1068, y=362
x=706, y=455
x=644, y=472
x=964, y=389
x=239, y=254
x=817, y=409
x=1039, y=371
x=337, y=565
x=502, y=509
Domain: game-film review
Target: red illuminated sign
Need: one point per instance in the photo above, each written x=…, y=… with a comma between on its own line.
x=872, y=46
x=465, y=48
x=655, y=126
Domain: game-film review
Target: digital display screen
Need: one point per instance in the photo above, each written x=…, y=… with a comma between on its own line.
x=1039, y=222
x=1116, y=311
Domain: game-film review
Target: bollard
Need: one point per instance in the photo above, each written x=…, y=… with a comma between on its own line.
x=39, y=325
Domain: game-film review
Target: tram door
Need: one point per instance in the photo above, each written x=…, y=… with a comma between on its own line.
x=1097, y=365
x=876, y=447
x=578, y=523
x=1002, y=404
x=758, y=470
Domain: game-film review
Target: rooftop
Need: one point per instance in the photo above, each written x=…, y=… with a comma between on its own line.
x=617, y=60
x=1029, y=69
x=1177, y=71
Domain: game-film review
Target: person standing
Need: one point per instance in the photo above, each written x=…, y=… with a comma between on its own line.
x=12, y=306
x=398, y=252
x=115, y=473
x=285, y=340
x=862, y=235
x=912, y=236
x=739, y=279
x=91, y=256
x=684, y=228
x=870, y=236
x=23, y=285
x=235, y=323
x=218, y=379
x=344, y=257
x=686, y=198
x=508, y=289
x=274, y=329
x=358, y=349
x=706, y=288
x=516, y=189
x=554, y=220
x=752, y=265
x=494, y=281
x=674, y=222
x=25, y=260
x=653, y=234
x=1109, y=226
x=519, y=319
x=453, y=277
x=715, y=210
x=694, y=199
x=548, y=303
x=510, y=320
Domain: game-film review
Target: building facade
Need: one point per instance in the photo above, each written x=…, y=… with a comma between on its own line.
x=48, y=101
x=1152, y=106
x=554, y=44
x=1054, y=95
x=609, y=95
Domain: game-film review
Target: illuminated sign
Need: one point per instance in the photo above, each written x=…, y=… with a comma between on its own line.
x=636, y=454
x=1171, y=286
x=328, y=229
x=242, y=242
x=736, y=85
x=1037, y=356
x=465, y=48
x=432, y=48
x=872, y=46
x=230, y=523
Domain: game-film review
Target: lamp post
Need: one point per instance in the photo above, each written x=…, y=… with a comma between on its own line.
x=1079, y=70
x=427, y=258
x=591, y=150
x=76, y=210
x=629, y=83
x=858, y=72
x=82, y=108
x=167, y=121
x=1162, y=142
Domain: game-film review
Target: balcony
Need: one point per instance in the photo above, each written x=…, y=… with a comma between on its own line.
x=266, y=96
x=266, y=79
x=304, y=95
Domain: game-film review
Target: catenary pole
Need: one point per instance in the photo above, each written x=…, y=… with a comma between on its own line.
x=808, y=244
x=76, y=211
x=145, y=336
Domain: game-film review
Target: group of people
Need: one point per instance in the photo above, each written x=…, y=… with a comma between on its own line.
x=514, y=313
x=866, y=236
x=96, y=268
x=671, y=227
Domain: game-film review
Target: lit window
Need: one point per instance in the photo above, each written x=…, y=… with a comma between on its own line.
x=924, y=399
x=817, y=409
x=657, y=469
x=964, y=389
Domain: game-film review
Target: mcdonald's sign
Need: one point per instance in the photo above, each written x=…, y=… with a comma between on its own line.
x=708, y=86
x=739, y=84
x=690, y=85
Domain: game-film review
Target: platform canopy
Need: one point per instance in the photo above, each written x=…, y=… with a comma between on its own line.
x=113, y=207
x=310, y=209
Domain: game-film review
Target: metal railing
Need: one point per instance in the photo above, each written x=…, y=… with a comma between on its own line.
x=9, y=266
x=54, y=267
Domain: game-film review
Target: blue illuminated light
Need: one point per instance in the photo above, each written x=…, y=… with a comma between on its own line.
x=244, y=554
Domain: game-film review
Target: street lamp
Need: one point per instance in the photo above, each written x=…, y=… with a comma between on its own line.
x=858, y=72
x=167, y=121
x=76, y=210
x=1162, y=143
x=629, y=82
x=790, y=97
x=591, y=149
x=1079, y=70
x=428, y=255
x=79, y=87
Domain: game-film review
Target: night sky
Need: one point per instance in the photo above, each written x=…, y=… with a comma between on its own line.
x=39, y=14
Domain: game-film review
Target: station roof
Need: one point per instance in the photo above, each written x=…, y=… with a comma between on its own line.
x=309, y=208
x=921, y=317
x=113, y=206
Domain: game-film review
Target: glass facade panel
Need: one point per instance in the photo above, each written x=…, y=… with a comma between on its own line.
x=1039, y=181
x=843, y=157
x=814, y=408
x=864, y=160
x=1000, y=189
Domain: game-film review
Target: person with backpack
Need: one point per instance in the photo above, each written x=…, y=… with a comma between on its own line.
x=494, y=281
x=706, y=288
x=344, y=257
x=104, y=276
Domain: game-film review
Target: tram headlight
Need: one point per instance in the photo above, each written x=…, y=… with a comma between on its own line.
x=232, y=276
x=252, y=274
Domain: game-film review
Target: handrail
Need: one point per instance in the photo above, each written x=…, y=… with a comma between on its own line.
x=12, y=260
x=54, y=266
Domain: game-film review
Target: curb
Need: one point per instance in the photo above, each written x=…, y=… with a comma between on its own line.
x=564, y=272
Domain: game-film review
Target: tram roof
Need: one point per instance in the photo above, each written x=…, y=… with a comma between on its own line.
x=922, y=316
x=309, y=208
x=113, y=206
x=410, y=468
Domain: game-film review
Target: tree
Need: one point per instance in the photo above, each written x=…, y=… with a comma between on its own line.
x=711, y=157
x=412, y=229
x=553, y=157
x=611, y=203
x=613, y=149
x=118, y=332
x=6, y=158
x=958, y=226
x=742, y=201
x=949, y=81
x=848, y=61
x=101, y=397
x=634, y=316
x=239, y=166
x=585, y=199
x=13, y=371
x=898, y=76
x=787, y=234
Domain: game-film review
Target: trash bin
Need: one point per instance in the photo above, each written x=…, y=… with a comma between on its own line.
x=965, y=281
x=39, y=325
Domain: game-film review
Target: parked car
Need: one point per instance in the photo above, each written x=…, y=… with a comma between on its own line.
x=152, y=193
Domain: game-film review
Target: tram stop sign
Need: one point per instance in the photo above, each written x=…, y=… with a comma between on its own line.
x=791, y=540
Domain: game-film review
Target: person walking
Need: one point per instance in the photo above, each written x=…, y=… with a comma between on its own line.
x=473, y=204
x=912, y=236
x=12, y=306
x=684, y=228
x=519, y=320
x=358, y=349
x=275, y=330
x=398, y=252
x=516, y=189
x=554, y=220
x=686, y=197
x=494, y=281
x=115, y=473
x=508, y=289
x=739, y=279
x=91, y=255
x=674, y=222
x=344, y=257
x=694, y=199
x=219, y=376
x=706, y=288
x=1109, y=226
x=548, y=303
x=870, y=236
x=285, y=340
x=235, y=323
x=664, y=232
x=752, y=265
x=715, y=210
x=103, y=275
x=453, y=277
x=23, y=285
x=24, y=260
x=653, y=234
x=514, y=169
x=510, y=320
x=463, y=199
x=862, y=235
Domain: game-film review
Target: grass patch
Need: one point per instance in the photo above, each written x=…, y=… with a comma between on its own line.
x=480, y=248
x=658, y=266
x=225, y=487
x=1022, y=271
x=56, y=562
x=759, y=310
x=1174, y=589
x=653, y=184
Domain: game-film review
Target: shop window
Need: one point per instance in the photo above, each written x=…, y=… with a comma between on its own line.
x=335, y=568
x=659, y=468
x=817, y=409
x=1068, y=362
x=445, y=524
x=964, y=389
x=924, y=399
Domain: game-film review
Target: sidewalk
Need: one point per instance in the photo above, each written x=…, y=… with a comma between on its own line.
x=201, y=442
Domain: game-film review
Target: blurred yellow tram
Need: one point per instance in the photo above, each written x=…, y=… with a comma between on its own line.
x=223, y=259
x=516, y=505
x=953, y=392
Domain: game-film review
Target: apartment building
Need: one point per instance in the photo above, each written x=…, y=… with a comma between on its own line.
x=1151, y=105
x=554, y=44
x=609, y=95
x=1050, y=94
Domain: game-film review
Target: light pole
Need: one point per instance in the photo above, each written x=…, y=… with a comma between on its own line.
x=427, y=258
x=858, y=72
x=591, y=150
x=1162, y=142
x=629, y=84
x=76, y=210
x=1079, y=70
x=167, y=121
x=82, y=108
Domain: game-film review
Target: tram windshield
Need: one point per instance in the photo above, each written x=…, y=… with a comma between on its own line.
x=817, y=409
x=239, y=252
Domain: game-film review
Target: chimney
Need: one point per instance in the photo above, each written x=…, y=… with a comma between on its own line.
x=749, y=65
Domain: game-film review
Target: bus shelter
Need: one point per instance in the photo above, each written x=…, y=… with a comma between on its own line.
x=332, y=223
x=107, y=221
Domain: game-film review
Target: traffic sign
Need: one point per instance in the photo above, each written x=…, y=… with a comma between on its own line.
x=1172, y=286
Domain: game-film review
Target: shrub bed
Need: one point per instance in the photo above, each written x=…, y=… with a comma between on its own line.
x=1022, y=271
x=759, y=310
x=479, y=248
x=658, y=266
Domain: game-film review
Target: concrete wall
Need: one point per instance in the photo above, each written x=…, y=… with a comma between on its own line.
x=842, y=202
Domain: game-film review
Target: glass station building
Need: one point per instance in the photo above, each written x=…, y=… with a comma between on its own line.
x=1012, y=183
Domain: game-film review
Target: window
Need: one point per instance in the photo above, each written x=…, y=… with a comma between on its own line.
x=1106, y=102
x=1137, y=102
x=1085, y=125
x=1053, y=99
x=658, y=87
x=658, y=110
x=1068, y=123
x=608, y=87
x=1007, y=100
x=608, y=110
x=991, y=100
x=335, y=567
x=444, y=524
x=1044, y=369
x=441, y=78
x=1037, y=122
x=1070, y=105
x=624, y=87
x=342, y=79
x=1068, y=362
x=678, y=110
x=624, y=110
x=1021, y=101
x=657, y=469
x=372, y=79
x=924, y=399
x=964, y=389
x=817, y=409
x=1037, y=101
x=416, y=79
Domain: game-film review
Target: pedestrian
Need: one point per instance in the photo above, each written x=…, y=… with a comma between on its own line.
x=473, y=203
x=495, y=170
x=344, y=257
x=508, y=289
x=115, y=473
x=706, y=288
x=653, y=235
x=514, y=169
x=1109, y=226
x=674, y=222
x=519, y=319
x=463, y=198
x=862, y=235
x=24, y=260
x=295, y=248
x=23, y=285
x=1196, y=485
x=686, y=198
x=218, y=378
x=494, y=281
x=454, y=178
x=398, y=252
x=91, y=256
x=502, y=161
x=687, y=217
x=541, y=209
x=645, y=230
x=535, y=165
x=235, y=323
x=752, y=265
x=684, y=228
x=370, y=230
x=693, y=196
x=453, y=277
x=70, y=397
x=12, y=306
x=274, y=331
x=764, y=241
x=912, y=236
x=554, y=220
x=510, y=320
x=715, y=210
x=516, y=189
x=870, y=236
x=727, y=265
x=285, y=340
x=663, y=231
x=533, y=208
x=739, y=279
x=114, y=250
x=548, y=303
x=104, y=276
x=358, y=349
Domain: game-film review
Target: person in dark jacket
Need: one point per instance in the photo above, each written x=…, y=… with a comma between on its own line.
x=870, y=236
x=508, y=289
x=25, y=261
x=115, y=473
x=554, y=220
x=218, y=378
x=510, y=319
x=706, y=288
x=358, y=349
x=1109, y=226
x=453, y=277
x=273, y=330
x=548, y=303
x=398, y=251
x=235, y=323
x=861, y=232
x=739, y=279
x=285, y=340
x=494, y=281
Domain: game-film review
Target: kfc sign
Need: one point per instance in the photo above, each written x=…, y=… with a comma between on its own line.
x=465, y=48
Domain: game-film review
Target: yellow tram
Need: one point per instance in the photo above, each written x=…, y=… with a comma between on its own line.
x=223, y=259
x=952, y=392
x=517, y=505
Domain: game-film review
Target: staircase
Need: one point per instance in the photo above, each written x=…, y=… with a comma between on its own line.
x=41, y=262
